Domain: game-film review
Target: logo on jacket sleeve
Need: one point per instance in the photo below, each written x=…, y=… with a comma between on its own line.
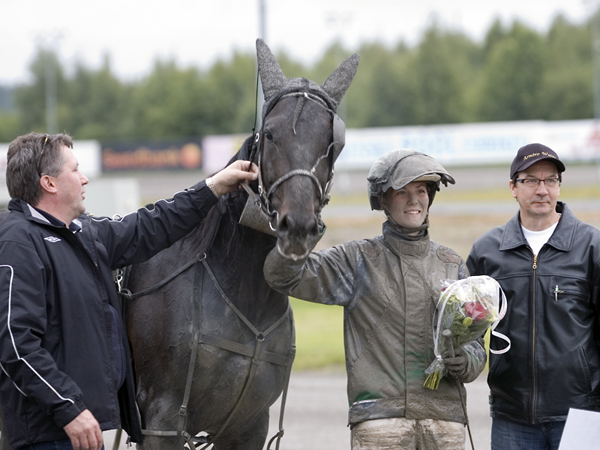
x=52, y=239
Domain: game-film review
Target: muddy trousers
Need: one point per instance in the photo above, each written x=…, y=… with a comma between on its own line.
x=405, y=434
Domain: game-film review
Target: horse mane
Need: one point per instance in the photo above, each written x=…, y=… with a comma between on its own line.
x=225, y=214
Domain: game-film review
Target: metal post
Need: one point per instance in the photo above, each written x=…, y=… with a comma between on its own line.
x=51, y=95
x=596, y=60
x=262, y=30
x=48, y=45
x=339, y=20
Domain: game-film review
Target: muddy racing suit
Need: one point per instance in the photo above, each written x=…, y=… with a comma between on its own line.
x=389, y=287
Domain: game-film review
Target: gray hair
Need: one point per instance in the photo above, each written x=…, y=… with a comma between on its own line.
x=30, y=157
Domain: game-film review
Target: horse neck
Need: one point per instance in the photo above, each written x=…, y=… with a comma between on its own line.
x=236, y=257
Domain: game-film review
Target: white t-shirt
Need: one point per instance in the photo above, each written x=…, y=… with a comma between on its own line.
x=537, y=239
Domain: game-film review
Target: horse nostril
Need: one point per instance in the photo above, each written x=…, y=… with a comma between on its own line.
x=285, y=223
x=307, y=225
x=315, y=227
x=298, y=225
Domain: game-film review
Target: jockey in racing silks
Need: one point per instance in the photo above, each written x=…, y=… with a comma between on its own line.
x=389, y=286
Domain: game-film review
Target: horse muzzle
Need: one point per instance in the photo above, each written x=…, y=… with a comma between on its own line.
x=297, y=235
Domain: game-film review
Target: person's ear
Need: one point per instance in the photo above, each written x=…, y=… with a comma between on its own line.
x=513, y=188
x=48, y=185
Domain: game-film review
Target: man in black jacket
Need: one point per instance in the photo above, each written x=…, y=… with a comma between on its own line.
x=548, y=264
x=66, y=372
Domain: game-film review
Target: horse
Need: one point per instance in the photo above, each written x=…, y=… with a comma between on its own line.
x=212, y=343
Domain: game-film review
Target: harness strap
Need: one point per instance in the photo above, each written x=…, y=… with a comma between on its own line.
x=244, y=350
x=256, y=353
x=237, y=312
x=129, y=296
x=182, y=420
x=260, y=337
x=253, y=369
x=286, y=384
x=188, y=384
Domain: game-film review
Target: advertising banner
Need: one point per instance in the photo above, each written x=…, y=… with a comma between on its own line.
x=152, y=155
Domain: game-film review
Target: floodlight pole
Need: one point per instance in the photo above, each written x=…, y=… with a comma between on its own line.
x=262, y=32
x=596, y=63
x=339, y=20
x=51, y=96
x=49, y=46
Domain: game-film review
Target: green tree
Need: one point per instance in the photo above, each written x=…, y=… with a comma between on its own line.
x=30, y=99
x=514, y=76
x=9, y=126
x=567, y=91
x=496, y=33
x=440, y=73
x=384, y=90
x=167, y=103
x=232, y=100
x=98, y=104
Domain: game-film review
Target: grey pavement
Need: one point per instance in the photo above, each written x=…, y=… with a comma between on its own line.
x=316, y=415
x=317, y=411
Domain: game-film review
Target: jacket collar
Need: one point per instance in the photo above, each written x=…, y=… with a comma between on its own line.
x=400, y=244
x=562, y=238
x=42, y=217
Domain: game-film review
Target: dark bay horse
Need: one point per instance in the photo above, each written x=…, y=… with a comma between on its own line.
x=212, y=343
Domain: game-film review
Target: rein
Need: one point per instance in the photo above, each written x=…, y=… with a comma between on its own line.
x=256, y=353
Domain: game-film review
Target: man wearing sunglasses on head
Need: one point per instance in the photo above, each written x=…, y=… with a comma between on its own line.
x=65, y=370
x=548, y=264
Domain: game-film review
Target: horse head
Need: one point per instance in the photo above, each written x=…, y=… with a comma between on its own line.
x=300, y=139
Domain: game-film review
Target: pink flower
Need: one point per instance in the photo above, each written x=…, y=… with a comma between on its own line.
x=475, y=310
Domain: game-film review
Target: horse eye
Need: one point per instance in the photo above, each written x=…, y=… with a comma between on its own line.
x=268, y=135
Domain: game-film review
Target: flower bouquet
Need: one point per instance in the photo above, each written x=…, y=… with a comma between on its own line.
x=467, y=308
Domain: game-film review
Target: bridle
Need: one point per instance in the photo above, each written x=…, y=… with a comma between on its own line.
x=331, y=154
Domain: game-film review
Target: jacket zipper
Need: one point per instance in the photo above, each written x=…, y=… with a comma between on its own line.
x=534, y=391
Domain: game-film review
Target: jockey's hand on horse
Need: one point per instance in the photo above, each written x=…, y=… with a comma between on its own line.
x=230, y=177
x=84, y=432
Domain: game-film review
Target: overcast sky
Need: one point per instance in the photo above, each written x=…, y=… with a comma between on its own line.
x=196, y=32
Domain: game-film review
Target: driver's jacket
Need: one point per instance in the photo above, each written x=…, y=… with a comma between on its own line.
x=389, y=288
x=59, y=330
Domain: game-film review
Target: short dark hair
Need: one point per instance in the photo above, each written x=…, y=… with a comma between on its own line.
x=29, y=158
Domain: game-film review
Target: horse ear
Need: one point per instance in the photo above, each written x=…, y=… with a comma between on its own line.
x=339, y=81
x=271, y=75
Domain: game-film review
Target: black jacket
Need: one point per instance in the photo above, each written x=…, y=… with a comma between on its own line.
x=552, y=320
x=57, y=313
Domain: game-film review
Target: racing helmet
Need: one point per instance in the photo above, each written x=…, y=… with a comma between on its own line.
x=396, y=168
